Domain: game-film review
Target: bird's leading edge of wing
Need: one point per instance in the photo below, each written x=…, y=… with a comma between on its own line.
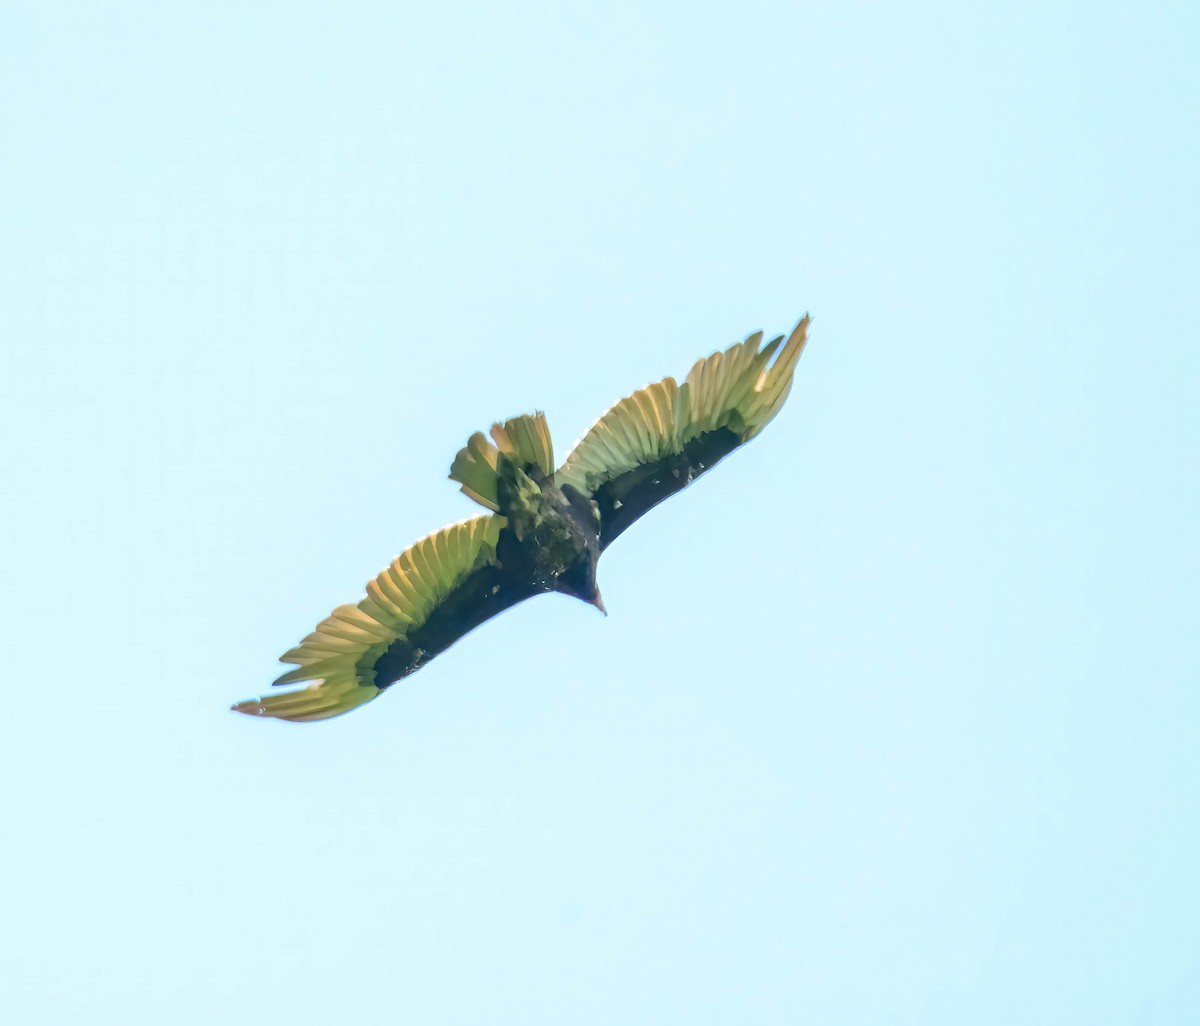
x=341, y=654
x=654, y=442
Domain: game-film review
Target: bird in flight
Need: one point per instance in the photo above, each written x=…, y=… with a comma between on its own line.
x=545, y=528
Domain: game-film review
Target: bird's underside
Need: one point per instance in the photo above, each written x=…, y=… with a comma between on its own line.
x=545, y=528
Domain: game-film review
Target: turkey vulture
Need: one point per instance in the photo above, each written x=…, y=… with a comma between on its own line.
x=545, y=530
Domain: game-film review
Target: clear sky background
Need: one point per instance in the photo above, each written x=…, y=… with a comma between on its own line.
x=895, y=716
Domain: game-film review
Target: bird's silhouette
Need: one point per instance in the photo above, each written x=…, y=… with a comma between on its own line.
x=545, y=530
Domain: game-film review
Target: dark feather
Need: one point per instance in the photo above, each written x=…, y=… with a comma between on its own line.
x=625, y=498
x=484, y=593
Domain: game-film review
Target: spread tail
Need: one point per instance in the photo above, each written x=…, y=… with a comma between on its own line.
x=524, y=441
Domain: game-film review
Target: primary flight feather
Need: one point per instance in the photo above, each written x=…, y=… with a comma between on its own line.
x=546, y=529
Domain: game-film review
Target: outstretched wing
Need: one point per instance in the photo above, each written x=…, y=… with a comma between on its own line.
x=660, y=439
x=431, y=594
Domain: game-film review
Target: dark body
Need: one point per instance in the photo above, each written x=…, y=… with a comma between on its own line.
x=550, y=545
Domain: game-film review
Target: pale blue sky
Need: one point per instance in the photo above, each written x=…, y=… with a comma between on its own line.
x=895, y=716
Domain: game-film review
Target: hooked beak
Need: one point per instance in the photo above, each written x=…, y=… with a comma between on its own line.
x=599, y=603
